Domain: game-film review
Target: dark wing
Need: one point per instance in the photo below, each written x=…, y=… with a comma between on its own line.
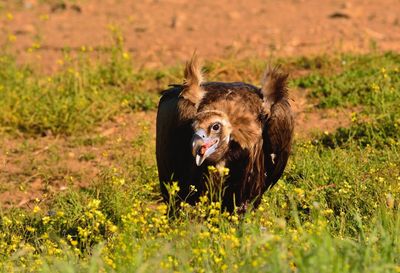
x=176, y=109
x=277, y=135
x=279, y=125
x=166, y=127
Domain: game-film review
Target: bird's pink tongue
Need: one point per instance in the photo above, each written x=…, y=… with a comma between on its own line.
x=204, y=148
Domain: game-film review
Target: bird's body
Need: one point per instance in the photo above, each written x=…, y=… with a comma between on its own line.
x=233, y=125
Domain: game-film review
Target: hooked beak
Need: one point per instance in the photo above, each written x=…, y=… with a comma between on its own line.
x=203, y=147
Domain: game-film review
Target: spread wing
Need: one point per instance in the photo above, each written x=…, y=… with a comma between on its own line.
x=279, y=125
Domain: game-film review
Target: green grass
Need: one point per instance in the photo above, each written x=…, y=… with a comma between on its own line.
x=82, y=94
x=336, y=208
x=360, y=80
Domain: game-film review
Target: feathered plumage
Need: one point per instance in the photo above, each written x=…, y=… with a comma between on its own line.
x=235, y=125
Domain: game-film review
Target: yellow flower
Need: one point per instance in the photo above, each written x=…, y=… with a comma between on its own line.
x=353, y=117
x=6, y=221
x=204, y=234
x=162, y=208
x=212, y=169
x=10, y=16
x=44, y=17
x=125, y=55
x=46, y=220
x=174, y=188
x=327, y=212
x=300, y=192
x=12, y=38
x=94, y=204
x=36, y=45
x=375, y=87
x=203, y=199
x=30, y=229
x=113, y=228
x=217, y=260
x=193, y=188
x=36, y=209
x=223, y=171
x=254, y=263
x=125, y=102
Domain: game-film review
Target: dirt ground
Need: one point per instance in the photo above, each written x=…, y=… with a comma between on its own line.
x=40, y=167
x=160, y=33
x=34, y=168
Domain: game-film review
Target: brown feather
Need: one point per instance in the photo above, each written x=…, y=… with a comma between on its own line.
x=273, y=87
x=242, y=107
x=193, y=79
x=279, y=126
x=259, y=121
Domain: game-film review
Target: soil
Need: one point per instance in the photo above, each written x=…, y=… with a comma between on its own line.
x=35, y=169
x=39, y=167
x=161, y=33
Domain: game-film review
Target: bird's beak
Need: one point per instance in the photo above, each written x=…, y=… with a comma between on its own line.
x=203, y=146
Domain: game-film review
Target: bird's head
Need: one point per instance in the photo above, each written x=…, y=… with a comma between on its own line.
x=212, y=133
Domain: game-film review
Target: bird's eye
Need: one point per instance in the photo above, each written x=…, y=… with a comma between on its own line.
x=216, y=127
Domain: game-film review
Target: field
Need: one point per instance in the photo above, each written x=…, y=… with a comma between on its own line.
x=78, y=180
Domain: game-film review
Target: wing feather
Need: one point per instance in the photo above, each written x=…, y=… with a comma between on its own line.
x=279, y=124
x=252, y=158
x=173, y=148
x=166, y=124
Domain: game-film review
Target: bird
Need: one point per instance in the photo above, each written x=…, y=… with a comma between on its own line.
x=232, y=125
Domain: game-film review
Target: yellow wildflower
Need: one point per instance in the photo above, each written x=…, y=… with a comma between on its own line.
x=36, y=209
x=10, y=16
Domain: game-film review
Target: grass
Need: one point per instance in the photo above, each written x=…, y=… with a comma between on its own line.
x=360, y=81
x=336, y=208
x=80, y=96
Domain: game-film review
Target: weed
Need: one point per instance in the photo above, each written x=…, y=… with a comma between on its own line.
x=363, y=80
x=336, y=209
x=76, y=98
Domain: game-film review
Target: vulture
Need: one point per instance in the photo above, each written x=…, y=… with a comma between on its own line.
x=234, y=125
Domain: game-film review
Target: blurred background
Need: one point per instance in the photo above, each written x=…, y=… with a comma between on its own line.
x=165, y=32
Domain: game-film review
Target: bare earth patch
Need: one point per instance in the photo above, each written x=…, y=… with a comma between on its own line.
x=40, y=167
x=160, y=33
x=310, y=119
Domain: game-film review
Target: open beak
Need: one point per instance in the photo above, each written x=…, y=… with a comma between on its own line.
x=202, y=146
